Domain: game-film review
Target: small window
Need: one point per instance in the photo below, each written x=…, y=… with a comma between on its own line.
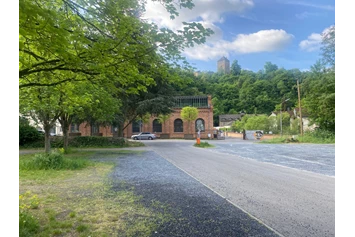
x=94, y=129
x=74, y=127
x=135, y=126
x=178, y=125
x=52, y=130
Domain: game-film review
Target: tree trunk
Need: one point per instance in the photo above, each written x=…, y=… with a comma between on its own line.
x=47, y=142
x=65, y=121
x=65, y=128
x=120, y=129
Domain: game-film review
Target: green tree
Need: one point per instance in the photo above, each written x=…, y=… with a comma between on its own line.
x=27, y=133
x=328, y=47
x=269, y=67
x=259, y=122
x=106, y=41
x=162, y=118
x=189, y=114
x=235, y=68
x=319, y=99
x=218, y=109
x=319, y=86
x=41, y=104
x=285, y=122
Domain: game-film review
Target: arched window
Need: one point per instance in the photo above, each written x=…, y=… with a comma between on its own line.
x=135, y=126
x=178, y=125
x=200, y=125
x=156, y=126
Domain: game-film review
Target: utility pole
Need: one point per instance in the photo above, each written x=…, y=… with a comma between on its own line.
x=299, y=107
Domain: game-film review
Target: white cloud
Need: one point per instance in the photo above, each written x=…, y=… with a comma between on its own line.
x=261, y=41
x=307, y=4
x=313, y=42
x=306, y=14
x=206, y=52
x=208, y=13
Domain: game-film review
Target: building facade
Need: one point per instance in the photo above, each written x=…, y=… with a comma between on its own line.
x=174, y=127
x=229, y=119
x=223, y=65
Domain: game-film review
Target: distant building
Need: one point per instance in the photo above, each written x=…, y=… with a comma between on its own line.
x=174, y=127
x=307, y=126
x=223, y=65
x=229, y=119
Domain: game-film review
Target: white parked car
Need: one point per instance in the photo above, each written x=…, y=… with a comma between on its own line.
x=144, y=136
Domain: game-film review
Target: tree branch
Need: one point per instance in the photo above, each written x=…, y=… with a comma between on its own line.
x=84, y=19
x=47, y=84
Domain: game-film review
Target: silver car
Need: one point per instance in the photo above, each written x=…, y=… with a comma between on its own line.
x=144, y=136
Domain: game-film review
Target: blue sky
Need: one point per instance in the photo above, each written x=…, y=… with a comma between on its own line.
x=286, y=33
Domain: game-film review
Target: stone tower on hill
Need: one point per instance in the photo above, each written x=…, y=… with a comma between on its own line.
x=223, y=65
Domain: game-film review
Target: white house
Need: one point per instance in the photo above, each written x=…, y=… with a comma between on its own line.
x=55, y=131
x=295, y=114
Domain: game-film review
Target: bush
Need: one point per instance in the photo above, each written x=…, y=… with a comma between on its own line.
x=92, y=141
x=28, y=134
x=318, y=136
x=79, y=142
x=203, y=145
x=53, y=160
x=44, y=161
x=34, y=144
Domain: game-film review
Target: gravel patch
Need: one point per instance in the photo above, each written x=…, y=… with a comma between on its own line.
x=195, y=209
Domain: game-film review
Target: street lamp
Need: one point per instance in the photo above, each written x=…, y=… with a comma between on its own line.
x=281, y=115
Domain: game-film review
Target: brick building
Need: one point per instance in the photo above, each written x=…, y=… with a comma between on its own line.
x=174, y=127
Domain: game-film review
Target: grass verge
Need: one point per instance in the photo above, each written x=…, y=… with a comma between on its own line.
x=203, y=145
x=81, y=202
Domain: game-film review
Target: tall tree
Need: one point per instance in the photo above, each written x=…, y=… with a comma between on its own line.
x=319, y=86
x=235, y=68
x=97, y=40
x=41, y=104
x=328, y=47
x=269, y=67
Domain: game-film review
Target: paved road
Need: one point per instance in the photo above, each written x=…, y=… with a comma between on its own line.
x=289, y=188
x=290, y=197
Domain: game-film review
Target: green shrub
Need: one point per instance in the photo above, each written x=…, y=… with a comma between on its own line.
x=44, y=161
x=54, y=160
x=92, y=141
x=28, y=225
x=203, y=145
x=318, y=136
x=28, y=134
x=79, y=142
x=34, y=144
